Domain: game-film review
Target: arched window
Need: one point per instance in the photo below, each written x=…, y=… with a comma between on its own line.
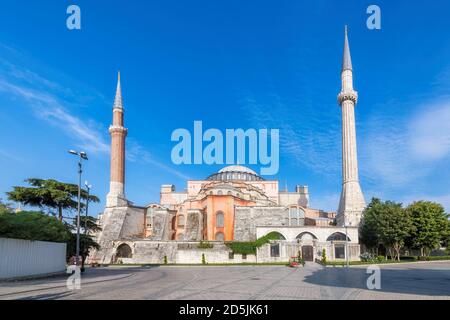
x=174, y=222
x=337, y=236
x=229, y=193
x=219, y=219
x=306, y=236
x=274, y=235
x=124, y=251
x=220, y=236
x=180, y=221
x=219, y=193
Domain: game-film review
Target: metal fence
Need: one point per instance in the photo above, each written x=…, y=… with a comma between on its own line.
x=23, y=258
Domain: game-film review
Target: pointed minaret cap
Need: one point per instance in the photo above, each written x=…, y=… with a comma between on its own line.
x=347, y=59
x=118, y=99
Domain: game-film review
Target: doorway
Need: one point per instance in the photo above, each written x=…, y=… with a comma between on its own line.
x=308, y=253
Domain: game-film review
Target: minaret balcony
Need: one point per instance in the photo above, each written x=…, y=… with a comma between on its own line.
x=117, y=129
x=348, y=95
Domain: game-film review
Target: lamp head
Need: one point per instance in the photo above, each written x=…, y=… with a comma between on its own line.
x=83, y=155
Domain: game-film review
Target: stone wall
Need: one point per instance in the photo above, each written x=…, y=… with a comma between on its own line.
x=117, y=223
x=133, y=225
x=153, y=252
x=248, y=218
x=161, y=224
x=193, y=227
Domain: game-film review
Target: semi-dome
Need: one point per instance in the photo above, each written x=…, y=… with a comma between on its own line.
x=236, y=172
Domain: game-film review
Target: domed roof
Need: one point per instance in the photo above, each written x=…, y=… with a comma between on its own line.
x=235, y=173
x=237, y=169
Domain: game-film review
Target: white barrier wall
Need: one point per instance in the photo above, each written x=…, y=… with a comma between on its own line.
x=22, y=258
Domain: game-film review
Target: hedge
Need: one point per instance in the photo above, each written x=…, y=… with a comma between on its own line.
x=249, y=247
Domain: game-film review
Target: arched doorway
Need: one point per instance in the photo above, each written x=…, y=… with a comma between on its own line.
x=308, y=253
x=124, y=251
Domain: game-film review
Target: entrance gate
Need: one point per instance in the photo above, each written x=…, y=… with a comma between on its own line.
x=308, y=253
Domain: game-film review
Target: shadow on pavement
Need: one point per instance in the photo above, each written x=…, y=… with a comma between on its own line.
x=418, y=281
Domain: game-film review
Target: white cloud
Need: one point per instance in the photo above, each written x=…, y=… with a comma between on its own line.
x=442, y=199
x=47, y=106
x=396, y=152
x=327, y=202
x=136, y=153
x=303, y=137
x=430, y=132
x=9, y=155
x=87, y=133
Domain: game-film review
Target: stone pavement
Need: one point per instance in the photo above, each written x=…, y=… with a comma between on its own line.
x=400, y=281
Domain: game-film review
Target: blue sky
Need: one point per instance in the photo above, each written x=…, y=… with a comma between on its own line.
x=231, y=64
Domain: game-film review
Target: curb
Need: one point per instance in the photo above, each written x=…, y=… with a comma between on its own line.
x=63, y=286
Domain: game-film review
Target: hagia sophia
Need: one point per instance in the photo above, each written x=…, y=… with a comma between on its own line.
x=233, y=204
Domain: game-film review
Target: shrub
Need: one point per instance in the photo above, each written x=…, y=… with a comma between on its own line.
x=324, y=256
x=29, y=225
x=250, y=247
x=205, y=245
x=367, y=257
x=434, y=258
x=165, y=259
x=408, y=258
x=203, y=259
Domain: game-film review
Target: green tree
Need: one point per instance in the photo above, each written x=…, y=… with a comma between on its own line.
x=386, y=223
x=87, y=243
x=33, y=226
x=89, y=224
x=431, y=226
x=369, y=233
x=4, y=207
x=50, y=194
x=396, y=226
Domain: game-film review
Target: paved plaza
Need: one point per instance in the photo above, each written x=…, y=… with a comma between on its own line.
x=429, y=280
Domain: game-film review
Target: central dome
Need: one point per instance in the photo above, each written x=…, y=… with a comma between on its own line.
x=237, y=169
x=236, y=172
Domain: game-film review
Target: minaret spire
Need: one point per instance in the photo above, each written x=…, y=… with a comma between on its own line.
x=352, y=201
x=118, y=103
x=116, y=195
x=347, y=59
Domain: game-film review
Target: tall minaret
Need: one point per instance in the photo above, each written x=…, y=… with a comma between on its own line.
x=352, y=201
x=116, y=195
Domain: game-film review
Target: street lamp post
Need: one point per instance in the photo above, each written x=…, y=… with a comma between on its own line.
x=82, y=156
x=88, y=189
x=346, y=246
